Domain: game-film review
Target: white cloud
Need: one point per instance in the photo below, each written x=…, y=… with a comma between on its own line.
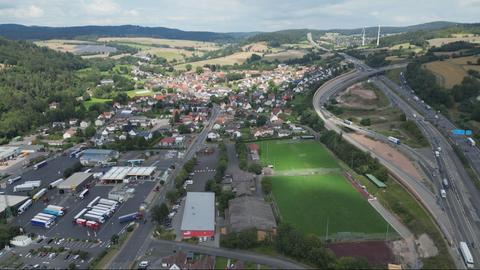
x=101, y=7
x=23, y=12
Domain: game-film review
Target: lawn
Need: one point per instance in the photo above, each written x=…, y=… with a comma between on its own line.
x=295, y=155
x=92, y=101
x=139, y=93
x=310, y=202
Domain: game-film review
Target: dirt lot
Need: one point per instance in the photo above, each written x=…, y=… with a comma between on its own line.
x=377, y=253
x=389, y=153
x=358, y=97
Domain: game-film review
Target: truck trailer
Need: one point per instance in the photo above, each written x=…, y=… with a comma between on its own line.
x=39, y=194
x=24, y=206
x=41, y=223
x=80, y=214
x=467, y=255
x=128, y=218
x=50, y=211
x=96, y=218
x=55, y=183
x=93, y=202
x=108, y=202
x=394, y=140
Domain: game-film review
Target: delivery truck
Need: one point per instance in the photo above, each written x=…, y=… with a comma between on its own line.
x=24, y=206
x=128, y=217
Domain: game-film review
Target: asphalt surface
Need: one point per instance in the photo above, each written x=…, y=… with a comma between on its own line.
x=275, y=262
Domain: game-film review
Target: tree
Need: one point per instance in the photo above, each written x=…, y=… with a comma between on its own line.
x=114, y=239
x=262, y=120
x=199, y=70
x=188, y=67
x=267, y=185
x=160, y=213
x=183, y=129
x=255, y=168
x=90, y=131
x=72, y=266
x=365, y=122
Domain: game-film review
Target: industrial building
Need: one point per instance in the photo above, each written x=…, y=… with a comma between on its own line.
x=199, y=215
x=75, y=182
x=8, y=152
x=248, y=212
x=125, y=174
x=93, y=157
x=11, y=201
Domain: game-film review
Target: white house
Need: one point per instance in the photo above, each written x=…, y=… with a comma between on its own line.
x=99, y=122
x=69, y=133
x=84, y=124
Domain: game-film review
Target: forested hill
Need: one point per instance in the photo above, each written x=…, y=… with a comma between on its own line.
x=30, y=78
x=22, y=32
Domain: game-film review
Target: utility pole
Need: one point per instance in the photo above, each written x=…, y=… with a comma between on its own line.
x=378, y=36
x=363, y=36
x=326, y=233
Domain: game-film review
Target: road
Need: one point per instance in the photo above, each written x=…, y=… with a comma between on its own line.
x=140, y=240
x=279, y=263
x=448, y=222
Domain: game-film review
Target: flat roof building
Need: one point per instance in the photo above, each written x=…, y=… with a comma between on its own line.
x=124, y=174
x=8, y=152
x=248, y=212
x=74, y=182
x=12, y=200
x=199, y=215
x=92, y=157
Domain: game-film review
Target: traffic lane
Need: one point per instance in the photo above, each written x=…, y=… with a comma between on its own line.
x=46, y=174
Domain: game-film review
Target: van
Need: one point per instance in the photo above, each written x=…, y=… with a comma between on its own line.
x=443, y=193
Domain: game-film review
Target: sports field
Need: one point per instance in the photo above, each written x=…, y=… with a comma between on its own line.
x=287, y=155
x=309, y=202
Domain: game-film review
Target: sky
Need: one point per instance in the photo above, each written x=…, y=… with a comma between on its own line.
x=238, y=15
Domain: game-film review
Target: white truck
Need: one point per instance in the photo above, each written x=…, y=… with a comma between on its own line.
x=467, y=256
x=24, y=206
x=394, y=140
x=471, y=141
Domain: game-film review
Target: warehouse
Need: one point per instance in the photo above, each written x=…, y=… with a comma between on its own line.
x=125, y=174
x=8, y=152
x=93, y=157
x=249, y=212
x=10, y=201
x=199, y=215
x=75, y=182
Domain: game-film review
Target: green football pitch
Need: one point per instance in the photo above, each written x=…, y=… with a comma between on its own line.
x=312, y=202
x=287, y=155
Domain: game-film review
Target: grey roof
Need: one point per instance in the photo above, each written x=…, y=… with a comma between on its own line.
x=74, y=180
x=199, y=212
x=248, y=212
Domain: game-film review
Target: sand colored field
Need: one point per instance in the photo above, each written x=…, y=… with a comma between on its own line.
x=358, y=97
x=389, y=153
x=255, y=47
x=452, y=71
x=198, y=45
x=61, y=44
x=285, y=55
x=238, y=58
x=438, y=42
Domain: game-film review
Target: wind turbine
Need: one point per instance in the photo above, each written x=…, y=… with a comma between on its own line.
x=378, y=36
x=363, y=36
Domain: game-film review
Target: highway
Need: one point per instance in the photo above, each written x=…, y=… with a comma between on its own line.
x=454, y=215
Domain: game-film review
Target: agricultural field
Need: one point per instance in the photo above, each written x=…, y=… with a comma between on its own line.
x=139, y=93
x=288, y=155
x=438, y=42
x=405, y=46
x=239, y=58
x=451, y=72
x=311, y=202
x=176, y=43
x=285, y=55
x=77, y=47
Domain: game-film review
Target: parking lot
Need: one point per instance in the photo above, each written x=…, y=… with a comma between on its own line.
x=77, y=237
